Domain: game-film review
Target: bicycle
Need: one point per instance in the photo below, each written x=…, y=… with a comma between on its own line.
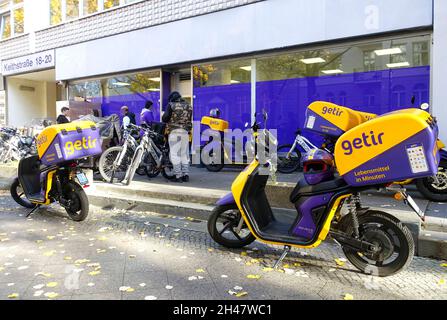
x=155, y=156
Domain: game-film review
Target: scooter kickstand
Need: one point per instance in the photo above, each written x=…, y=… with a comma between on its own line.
x=32, y=211
x=281, y=258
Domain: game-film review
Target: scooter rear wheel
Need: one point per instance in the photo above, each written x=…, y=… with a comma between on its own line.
x=222, y=226
x=78, y=210
x=393, y=240
x=18, y=195
x=430, y=189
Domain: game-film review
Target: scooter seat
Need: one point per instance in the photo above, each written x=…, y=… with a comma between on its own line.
x=304, y=189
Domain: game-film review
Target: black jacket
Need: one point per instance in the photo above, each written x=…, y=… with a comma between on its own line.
x=62, y=119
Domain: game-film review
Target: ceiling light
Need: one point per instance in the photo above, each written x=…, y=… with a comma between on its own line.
x=154, y=89
x=246, y=68
x=390, y=51
x=398, y=64
x=234, y=81
x=157, y=79
x=313, y=60
x=121, y=84
x=335, y=71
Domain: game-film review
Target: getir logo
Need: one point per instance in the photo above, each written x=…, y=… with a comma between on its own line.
x=365, y=141
x=334, y=111
x=78, y=145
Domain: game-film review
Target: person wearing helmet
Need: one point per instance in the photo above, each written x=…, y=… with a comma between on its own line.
x=178, y=117
x=318, y=166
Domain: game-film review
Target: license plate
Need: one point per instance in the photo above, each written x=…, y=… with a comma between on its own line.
x=82, y=178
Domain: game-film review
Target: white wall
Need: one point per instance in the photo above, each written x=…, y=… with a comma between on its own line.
x=439, y=68
x=261, y=26
x=23, y=106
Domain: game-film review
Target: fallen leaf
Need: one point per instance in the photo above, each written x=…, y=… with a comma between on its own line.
x=444, y=265
x=254, y=276
x=200, y=270
x=348, y=297
x=49, y=253
x=267, y=269
x=51, y=284
x=243, y=253
x=38, y=293
x=67, y=258
x=339, y=262
x=441, y=281
x=47, y=275
x=51, y=295
x=13, y=296
x=94, y=273
x=242, y=294
x=81, y=261
x=150, y=298
x=39, y=286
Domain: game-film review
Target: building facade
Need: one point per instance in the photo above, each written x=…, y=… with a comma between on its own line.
x=241, y=56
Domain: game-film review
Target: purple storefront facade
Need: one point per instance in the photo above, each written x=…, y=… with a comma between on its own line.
x=286, y=101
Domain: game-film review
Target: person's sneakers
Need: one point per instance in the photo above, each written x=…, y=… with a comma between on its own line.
x=185, y=178
x=178, y=180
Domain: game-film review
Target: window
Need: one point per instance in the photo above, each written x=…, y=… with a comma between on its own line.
x=6, y=25
x=110, y=94
x=72, y=9
x=90, y=6
x=2, y=108
x=12, y=18
x=421, y=54
x=111, y=4
x=66, y=10
x=369, y=60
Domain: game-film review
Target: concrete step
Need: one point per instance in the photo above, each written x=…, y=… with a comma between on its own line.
x=435, y=224
x=432, y=244
x=155, y=205
x=168, y=191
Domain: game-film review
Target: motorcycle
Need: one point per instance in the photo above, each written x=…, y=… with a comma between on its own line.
x=215, y=161
x=374, y=241
x=53, y=175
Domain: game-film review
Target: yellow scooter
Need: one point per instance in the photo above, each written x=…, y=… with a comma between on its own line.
x=373, y=241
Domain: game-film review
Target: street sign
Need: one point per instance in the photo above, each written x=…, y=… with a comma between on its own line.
x=29, y=63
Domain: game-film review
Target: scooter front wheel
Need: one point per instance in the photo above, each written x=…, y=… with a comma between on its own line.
x=18, y=195
x=79, y=205
x=223, y=227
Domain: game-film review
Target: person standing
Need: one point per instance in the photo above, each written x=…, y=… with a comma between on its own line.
x=147, y=115
x=178, y=117
x=63, y=117
x=128, y=117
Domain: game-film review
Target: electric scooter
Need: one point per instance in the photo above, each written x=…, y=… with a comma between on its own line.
x=374, y=241
x=54, y=174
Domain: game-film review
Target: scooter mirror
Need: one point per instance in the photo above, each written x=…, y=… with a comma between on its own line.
x=425, y=106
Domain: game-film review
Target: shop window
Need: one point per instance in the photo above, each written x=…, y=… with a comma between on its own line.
x=223, y=85
x=110, y=94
